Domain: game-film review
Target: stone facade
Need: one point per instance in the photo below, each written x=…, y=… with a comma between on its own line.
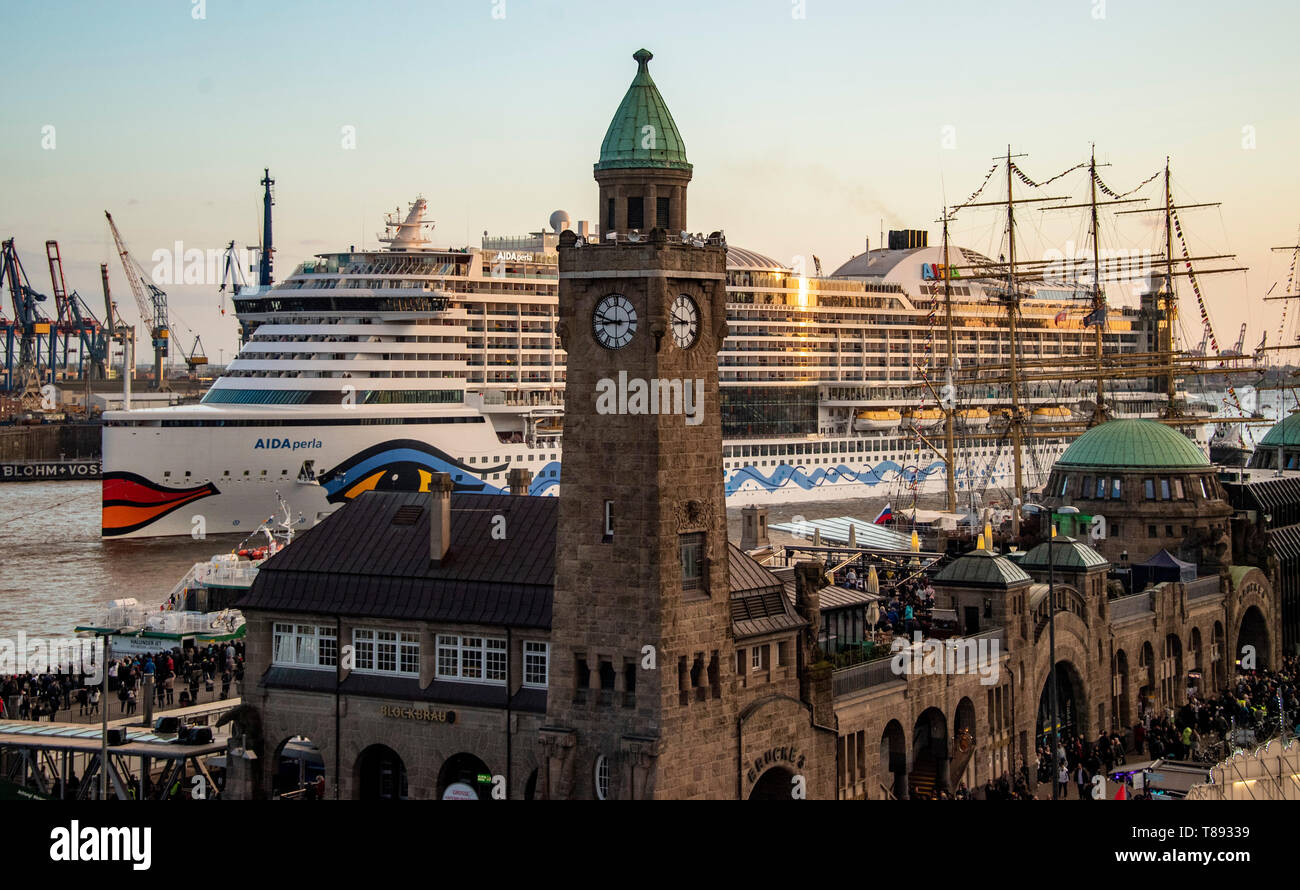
x=1119, y=657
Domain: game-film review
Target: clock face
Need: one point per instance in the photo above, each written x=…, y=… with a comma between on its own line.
x=614, y=321
x=685, y=322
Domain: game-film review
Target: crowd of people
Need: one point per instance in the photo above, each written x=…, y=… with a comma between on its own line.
x=906, y=606
x=178, y=675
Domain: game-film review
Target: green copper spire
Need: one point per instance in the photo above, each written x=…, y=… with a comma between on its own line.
x=642, y=133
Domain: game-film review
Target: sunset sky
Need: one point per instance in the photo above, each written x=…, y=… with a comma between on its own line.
x=811, y=125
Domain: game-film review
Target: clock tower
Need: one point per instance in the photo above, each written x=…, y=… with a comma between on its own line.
x=641, y=614
x=649, y=695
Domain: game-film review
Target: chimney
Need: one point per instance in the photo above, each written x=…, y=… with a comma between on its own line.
x=440, y=487
x=519, y=479
x=753, y=528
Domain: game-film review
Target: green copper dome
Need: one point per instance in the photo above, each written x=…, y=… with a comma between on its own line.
x=1287, y=432
x=642, y=133
x=1067, y=553
x=982, y=568
x=1133, y=443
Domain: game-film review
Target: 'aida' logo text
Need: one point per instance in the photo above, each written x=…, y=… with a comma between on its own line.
x=291, y=444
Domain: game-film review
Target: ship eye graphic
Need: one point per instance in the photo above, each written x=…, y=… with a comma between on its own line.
x=130, y=502
x=403, y=465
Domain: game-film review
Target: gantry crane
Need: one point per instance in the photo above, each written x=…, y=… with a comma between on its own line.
x=152, y=303
x=29, y=325
x=121, y=332
x=77, y=319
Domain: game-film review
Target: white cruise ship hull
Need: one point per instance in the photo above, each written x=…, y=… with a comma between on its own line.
x=214, y=479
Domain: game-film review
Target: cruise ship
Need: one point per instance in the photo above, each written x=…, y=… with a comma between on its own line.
x=375, y=368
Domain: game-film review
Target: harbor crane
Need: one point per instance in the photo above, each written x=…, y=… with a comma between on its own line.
x=121, y=332
x=75, y=318
x=196, y=357
x=1241, y=341
x=29, y=325
x=152, y=303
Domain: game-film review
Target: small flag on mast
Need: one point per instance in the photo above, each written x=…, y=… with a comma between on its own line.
x=885, y=515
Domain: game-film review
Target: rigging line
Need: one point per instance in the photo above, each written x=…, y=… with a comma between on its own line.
x=52, y=507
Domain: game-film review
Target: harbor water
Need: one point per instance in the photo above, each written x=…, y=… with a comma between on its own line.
x=56, y=571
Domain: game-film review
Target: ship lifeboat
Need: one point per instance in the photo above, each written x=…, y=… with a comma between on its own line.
x=973, y=418
x=1051, y=414
x=871, y=420
x=922, y=418
x=550, y=426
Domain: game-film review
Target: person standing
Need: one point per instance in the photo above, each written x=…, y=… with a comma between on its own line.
x=1082, y=778
x=1062, y=780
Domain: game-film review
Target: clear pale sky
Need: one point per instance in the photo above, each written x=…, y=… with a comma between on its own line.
x=809, y=124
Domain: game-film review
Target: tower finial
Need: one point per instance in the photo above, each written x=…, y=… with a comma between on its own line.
x=643, y=57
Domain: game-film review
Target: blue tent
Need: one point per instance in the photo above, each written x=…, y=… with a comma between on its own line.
x=1164, y=566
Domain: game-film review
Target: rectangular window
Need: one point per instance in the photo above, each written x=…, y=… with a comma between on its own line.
x=1115, y=489
x=363, y=650
x=1151, y=531
x=304, y=645
x=1178, y=487
x=494, y=661
x=635, y=213
x=1205, y=492
x=1149, y=489
x=1164, y=489
x=609, y=212
x=537, y=659
x=1065, y=483
x=1085, y=487
x=1101, y=488
x=473, y=659
x=756, y=659
x=692, y=551
x=385, y=651
x=661, y=213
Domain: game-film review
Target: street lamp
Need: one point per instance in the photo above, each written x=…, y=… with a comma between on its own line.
x=103, y=696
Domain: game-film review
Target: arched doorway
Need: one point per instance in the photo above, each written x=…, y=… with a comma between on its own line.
x=299, y=770
x=464, y=777
x=930, y=766
x=380, y=774
x=1252, y=641
x=775, y=784
x=1120, y=697
x=1071, y=705
x=893, y=758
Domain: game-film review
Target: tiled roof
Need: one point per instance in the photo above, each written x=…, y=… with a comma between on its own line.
x=358, y=562
x=1133, y=443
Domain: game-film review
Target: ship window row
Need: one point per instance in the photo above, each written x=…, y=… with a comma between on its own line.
x=345, y=396
x=313, y=421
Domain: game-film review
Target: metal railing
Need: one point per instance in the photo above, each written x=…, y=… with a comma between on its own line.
x=1130, y=606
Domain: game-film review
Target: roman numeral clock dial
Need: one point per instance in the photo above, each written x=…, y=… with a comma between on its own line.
x=685, y=322
x=614, y=321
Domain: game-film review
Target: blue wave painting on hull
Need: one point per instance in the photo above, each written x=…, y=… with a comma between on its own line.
x=405, y=465
x=785, y=474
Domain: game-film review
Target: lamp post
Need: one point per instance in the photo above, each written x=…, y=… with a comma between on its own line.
x=103, y=700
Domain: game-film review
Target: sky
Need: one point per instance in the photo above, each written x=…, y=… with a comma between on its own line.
x=812, y=125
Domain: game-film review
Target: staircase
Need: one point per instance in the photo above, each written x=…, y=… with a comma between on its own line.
x=921, y=780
